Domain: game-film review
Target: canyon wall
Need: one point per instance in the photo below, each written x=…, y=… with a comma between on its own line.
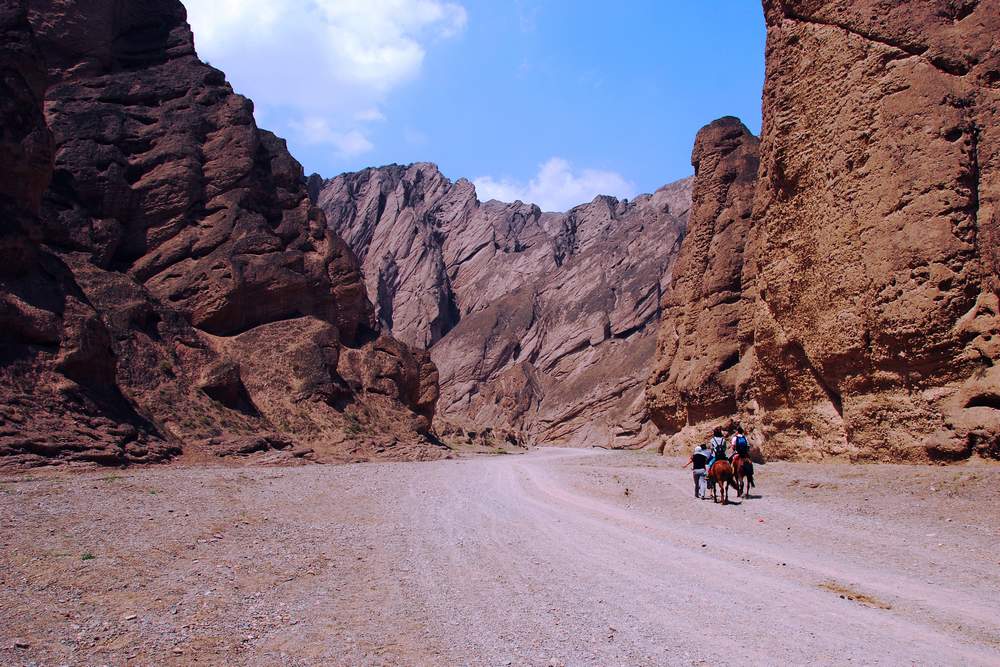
x=869, y=288
x=198, y=300
x=542, y=324
x=699, y=360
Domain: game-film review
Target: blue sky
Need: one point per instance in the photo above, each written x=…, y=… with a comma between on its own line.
x=552, y=101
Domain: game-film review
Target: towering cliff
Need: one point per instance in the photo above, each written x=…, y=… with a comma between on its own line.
x=870, y=276
x=541, y=323
x=202, y=299
x=697, y=366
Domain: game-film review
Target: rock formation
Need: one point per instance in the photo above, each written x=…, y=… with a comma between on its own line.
x=869, y=305
x=541, y=323
x=183, y=291
x=697, y=362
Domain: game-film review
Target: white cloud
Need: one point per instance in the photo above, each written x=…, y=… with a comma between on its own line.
x=556, y=187
x=330, y=59
x=369, y=115
x=349, y=143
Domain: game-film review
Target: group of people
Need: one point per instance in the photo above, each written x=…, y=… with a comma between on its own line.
x=704, y=457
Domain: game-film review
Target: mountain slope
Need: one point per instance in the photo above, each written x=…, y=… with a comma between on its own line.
x=540, y=323
x=199, y=300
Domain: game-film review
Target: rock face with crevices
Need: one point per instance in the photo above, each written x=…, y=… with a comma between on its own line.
x=869, y=305
x=697, y=363
x=541, y=323
x=57, y=393
x=182, y=288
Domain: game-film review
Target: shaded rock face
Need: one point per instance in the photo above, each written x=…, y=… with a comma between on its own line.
x=57, y=390
x=178, y=230
x=541, y=324
x=868, y=325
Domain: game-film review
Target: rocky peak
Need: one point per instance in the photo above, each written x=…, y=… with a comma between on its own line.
x=695, y=372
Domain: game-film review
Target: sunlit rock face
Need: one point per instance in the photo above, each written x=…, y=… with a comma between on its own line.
x=541, y=324
x=868, y=306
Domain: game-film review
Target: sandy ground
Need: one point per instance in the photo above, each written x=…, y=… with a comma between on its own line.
x=538, y=559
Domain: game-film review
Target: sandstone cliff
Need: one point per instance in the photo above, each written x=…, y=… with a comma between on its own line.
x=697, y=366
x=541, y=323
x=198, y=298
x=869, y=305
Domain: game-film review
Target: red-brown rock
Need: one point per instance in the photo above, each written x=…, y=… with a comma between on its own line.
x=172, y=230
x=697, y=364
x=869, y=305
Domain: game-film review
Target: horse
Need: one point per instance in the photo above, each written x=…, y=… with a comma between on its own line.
x=721, y=474
x=743, y=474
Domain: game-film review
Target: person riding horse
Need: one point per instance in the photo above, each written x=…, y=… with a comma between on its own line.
x=717, y=445
x=720, y=472
x=741, y=446
x=742, y=465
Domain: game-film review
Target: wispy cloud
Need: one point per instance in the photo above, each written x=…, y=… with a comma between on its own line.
x=335, y=60
x=317, y=131
x=527, y=15
x=557, y=186
x=369, y=115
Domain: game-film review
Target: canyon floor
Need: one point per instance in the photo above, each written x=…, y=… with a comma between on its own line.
x=548, y=558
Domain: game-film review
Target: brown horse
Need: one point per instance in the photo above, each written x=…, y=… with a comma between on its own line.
x=743, y=474
x=721, y=474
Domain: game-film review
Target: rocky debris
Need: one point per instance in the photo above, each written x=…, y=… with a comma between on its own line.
x=153, y=229
x=237, y=445
x=541, y=324
x=484, y=439
x=339, y=400
x=869, y=307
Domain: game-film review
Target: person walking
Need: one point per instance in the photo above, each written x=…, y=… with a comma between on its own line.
x=698, y=463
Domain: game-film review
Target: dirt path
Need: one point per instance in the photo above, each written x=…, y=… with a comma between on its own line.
x=522, y=560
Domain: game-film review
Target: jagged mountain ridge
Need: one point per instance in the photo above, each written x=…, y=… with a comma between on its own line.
x=539, y=322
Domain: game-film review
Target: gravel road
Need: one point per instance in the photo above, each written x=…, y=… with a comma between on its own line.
x=556, y=557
